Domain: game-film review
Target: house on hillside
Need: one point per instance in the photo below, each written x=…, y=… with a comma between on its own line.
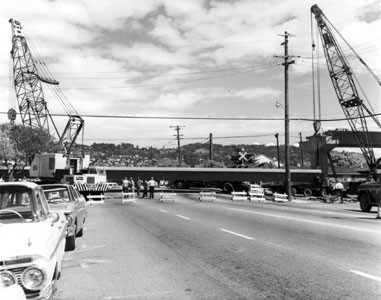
x=264, y=161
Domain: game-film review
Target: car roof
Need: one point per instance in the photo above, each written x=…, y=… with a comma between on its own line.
x=27, y=184
x=51, y=185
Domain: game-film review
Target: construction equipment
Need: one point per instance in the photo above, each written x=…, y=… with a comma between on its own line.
x=29, y=72
x=352, y=104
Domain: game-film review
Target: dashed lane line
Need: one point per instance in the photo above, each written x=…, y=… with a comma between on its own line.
x=164, y=211
x=308, y=221
x=366, y=275
x=237, y=234
x=180, y=216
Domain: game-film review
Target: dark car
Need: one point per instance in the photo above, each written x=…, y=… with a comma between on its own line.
x=65, y=198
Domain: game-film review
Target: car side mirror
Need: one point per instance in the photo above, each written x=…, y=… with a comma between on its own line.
x=54, y=217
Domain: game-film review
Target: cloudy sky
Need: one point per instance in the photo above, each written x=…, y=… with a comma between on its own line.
x=135, y=69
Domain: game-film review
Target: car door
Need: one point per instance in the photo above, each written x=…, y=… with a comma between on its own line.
x=53, y=232
x=80, y=206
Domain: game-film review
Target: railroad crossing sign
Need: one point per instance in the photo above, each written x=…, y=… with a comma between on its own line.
x=242, y=156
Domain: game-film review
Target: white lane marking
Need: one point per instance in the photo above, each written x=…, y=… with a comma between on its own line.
x=365, y=275
x=138, y=295
x=308, y=221
x=164, y=211
x=180, y=216
x=237, y=234
x=85, y=248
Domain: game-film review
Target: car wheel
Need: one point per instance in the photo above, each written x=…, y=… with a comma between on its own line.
x=180, y=184
x=364, y=203
x=228, y=187
x=307, y=192
x=70, y=243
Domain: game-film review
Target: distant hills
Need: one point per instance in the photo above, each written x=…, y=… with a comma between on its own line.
x=198, y=155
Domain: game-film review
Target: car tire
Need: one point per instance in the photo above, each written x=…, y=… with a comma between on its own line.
x=70, y=243
x=364, y=203
x=307, y=192
x=228, y=187
x=180, y=185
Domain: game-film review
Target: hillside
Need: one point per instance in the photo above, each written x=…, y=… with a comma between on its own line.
x=197, y=155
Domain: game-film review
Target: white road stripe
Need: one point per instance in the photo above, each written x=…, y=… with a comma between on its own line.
x=365, y=275
x=308, y=221
x=180, y=216
x=164, y=211
x=237, y=234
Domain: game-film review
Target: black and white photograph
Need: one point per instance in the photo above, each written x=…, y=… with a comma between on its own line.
x=190, y=150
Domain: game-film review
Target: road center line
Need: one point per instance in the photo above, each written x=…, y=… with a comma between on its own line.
x=164, y=211
x=237, y=234
x=180, y=216
x=307, y=221
x=366, y=275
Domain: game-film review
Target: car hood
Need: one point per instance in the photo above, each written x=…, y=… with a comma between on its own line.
x=62, y=206
x=29, y=239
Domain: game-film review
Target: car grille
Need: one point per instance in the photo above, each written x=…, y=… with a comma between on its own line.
x=17, y=272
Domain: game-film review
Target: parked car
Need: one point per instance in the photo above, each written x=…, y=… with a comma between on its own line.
x=113, y=187
x=65, y=198
x=32, y=239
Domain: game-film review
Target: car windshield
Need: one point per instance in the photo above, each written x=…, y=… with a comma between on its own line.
x=56, y=194
x=15, y=203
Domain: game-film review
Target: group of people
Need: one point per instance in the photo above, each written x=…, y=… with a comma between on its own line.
x=148, y=187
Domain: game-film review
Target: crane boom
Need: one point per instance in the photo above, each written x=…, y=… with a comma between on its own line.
x=343, y=82
x=28, y=85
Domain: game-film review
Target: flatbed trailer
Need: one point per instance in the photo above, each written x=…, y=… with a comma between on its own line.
x=227, y=179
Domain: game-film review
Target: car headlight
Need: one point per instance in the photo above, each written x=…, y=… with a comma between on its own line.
x=7, y=278
x=69, y=219
x=33, y=278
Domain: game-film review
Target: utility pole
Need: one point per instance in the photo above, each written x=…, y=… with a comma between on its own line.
x=301, y=151
x=286, y=63
x=178, y=137
x=277, y=148
x=210, y=147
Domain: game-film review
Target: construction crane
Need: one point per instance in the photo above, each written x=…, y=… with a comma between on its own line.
x=343, y=80
x=29, y=72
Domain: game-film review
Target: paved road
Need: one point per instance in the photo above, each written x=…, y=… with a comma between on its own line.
x=224, y=250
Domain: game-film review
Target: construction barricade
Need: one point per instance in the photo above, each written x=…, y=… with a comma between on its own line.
x=207, y=195
x=167, y=197
x=256, y=193
x=128, y=197
x=239, y=196
x=95, y=199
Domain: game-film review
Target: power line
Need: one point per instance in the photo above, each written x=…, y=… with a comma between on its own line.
x=206, y=118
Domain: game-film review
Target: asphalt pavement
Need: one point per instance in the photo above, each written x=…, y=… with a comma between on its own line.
x=189, y=249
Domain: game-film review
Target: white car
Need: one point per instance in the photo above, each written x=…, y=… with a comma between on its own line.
x=32, y=240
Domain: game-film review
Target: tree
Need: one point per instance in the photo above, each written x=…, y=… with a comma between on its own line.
x=19, y=145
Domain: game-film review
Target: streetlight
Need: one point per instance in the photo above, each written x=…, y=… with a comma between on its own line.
x=278, y=105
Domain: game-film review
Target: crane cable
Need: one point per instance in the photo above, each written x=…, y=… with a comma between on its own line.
x=357, y=55
x=49, y=78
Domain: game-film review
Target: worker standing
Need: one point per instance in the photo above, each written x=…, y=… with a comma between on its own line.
x=151, y=185
x=339, y=188
x=125, y=185
x=139, y=183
